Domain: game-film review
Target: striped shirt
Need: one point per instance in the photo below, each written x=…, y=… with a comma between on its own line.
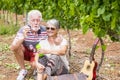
x=32, y=39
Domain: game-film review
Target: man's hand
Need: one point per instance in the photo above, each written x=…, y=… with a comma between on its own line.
x=26, y=30
x=42, y=51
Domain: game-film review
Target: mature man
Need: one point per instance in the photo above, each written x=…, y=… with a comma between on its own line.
x=27, y=37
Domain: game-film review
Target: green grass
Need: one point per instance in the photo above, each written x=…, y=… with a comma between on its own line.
x=4, y=47
x=8, y=29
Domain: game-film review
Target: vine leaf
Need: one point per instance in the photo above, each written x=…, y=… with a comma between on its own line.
x=101, y=11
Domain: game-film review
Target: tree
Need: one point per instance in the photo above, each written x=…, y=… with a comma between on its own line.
x=102, y=16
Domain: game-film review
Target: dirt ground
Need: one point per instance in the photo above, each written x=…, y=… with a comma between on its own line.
x=81, y=48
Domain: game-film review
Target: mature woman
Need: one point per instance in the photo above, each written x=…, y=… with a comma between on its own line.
x=54, y=49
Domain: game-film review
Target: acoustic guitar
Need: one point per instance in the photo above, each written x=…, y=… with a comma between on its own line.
x=89, y=69
x=90, y=66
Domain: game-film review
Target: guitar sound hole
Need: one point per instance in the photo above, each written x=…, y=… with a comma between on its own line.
x=87, y=76
x=88, y=67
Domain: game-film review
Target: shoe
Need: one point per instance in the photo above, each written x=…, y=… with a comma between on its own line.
x=22, y=74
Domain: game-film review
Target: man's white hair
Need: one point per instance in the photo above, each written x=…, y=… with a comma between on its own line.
x=34, y=12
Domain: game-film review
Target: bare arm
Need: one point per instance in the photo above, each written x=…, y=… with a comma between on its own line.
x=16, y=43
x=61, y=51
x=59, y=41
x=36, y=58
x=39, y=66
x=18, y=40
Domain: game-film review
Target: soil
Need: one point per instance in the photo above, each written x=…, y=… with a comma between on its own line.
x=81, y=46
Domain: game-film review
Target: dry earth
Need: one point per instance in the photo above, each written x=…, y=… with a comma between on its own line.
x=81, y=48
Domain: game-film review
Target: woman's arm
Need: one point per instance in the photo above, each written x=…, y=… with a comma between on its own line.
x=59, y=48
x=39, y=66
x=36, y=58
x=63, y=45
x=59, y=51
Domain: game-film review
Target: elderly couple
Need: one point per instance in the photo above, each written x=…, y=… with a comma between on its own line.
x=53, y=46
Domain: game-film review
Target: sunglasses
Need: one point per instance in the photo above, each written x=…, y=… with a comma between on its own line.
x=50, y=28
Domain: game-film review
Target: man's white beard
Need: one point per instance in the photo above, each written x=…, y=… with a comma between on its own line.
x=35, y=28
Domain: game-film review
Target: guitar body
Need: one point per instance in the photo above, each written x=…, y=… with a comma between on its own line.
x=89, y=70
x=94, y=71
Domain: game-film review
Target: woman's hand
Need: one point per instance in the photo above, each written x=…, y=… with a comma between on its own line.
x=40, y=67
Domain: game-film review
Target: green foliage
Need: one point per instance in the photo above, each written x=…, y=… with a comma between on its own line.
x=9, y=30
x=12, y=65
x=3, y=30
x=104, y=47
x=16, y=66
x=4, y=47
x=102, y=16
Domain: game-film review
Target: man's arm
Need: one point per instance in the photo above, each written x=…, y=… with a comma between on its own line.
x=18, y=40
